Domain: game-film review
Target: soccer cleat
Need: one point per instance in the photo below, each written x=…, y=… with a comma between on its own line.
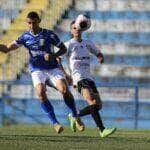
x=106, y=132
x=72, y=121
x=58, y=128
x=79, y=124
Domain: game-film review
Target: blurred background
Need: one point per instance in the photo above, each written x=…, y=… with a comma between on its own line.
x=122, y=30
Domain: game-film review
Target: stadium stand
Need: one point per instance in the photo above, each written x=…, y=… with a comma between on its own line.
x=51, y=15
x=121, y=29
x=13, y=63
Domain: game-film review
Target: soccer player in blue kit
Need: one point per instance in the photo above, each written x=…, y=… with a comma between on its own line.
x=44, y=66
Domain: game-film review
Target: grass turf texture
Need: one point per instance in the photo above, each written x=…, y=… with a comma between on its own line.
x=29, y=137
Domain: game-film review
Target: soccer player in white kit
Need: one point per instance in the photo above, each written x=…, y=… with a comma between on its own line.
x=78, y=55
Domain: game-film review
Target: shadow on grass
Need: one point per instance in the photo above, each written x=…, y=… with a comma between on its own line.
x=50, y=138
x=62, y=138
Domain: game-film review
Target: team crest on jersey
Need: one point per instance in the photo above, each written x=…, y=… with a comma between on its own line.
x=75, y=48
x=42, y=42
x=88, y=46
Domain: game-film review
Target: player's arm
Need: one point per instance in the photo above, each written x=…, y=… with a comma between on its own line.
x=60, y=45
x=7, y=48
x=13, y=45
x=60, y=65
x=100, y=57
x=62, y=50
x=67, y=76
x=94, y=49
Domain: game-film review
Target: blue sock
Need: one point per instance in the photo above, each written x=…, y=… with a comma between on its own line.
x=69, y=101
x=48, y=108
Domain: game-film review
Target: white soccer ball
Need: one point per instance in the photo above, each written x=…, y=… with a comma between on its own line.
x=82, y=22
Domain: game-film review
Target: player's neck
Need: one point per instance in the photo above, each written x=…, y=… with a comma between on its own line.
x=79, y=39
x=36, y=30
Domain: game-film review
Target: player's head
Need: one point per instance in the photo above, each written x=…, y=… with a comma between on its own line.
x=74, y=31
x=33, y=20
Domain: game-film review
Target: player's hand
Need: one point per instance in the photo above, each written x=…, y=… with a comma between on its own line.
x=48, y=57
x=100, y=58
x=58, y=60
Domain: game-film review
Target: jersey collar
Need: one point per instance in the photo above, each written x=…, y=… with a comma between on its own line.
x=78, y=41
x=35, y=35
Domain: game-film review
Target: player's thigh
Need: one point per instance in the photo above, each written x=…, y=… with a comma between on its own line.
x=87, y=95
x=94, y=93
x=89, y=91
x=97, y=98
x=62, y=86
x=57, y=79
x=38, y=79
x=91, y=97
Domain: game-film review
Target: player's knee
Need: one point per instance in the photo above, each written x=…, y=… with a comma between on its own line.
x=94, y=108
x=98, y=103
x=42, y=95
x=99, y=106
x=63, y=91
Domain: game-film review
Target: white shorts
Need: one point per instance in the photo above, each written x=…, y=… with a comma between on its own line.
x=47, y=75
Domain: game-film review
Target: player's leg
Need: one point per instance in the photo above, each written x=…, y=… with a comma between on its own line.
x=86, y=89
x=58, y=80
x=106, y=131
x=69, y=101
x=91, y=95
x=61, y=86
x=38, y=81
x=93, y=108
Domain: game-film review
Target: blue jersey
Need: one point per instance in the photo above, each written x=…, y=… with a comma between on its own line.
x=38, y=45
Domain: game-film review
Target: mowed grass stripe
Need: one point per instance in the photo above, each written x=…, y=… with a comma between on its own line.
x=44, y=137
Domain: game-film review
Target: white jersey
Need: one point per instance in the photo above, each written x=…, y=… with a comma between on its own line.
x=78, y=55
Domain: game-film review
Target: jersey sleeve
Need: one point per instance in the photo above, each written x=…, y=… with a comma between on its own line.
x=67, y=45
x=94, y=49
x=55, y=40
x=20, y=41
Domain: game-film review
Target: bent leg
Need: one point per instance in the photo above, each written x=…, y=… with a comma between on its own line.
x=75, y=121
x=62, y=87
x=92, y=99
x=45, y=103
x=93, y=108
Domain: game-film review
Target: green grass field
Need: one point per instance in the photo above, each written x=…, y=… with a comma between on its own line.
x=27, y=137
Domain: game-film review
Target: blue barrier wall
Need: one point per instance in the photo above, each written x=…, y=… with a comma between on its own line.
x=131, y=113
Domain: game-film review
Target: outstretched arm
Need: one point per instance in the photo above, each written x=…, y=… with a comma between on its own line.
x=68, y=77
x=6, y=48
x=94, y=49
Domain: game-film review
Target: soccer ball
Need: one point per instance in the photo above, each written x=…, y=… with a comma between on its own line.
x=82, y=22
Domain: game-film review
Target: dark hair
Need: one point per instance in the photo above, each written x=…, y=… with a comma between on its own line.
x=72, y=22
x=33, y=15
